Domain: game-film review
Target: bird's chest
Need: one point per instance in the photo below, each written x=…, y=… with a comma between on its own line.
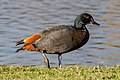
x=79, y=36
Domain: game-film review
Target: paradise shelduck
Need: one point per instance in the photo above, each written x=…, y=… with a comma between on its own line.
x=59, y=39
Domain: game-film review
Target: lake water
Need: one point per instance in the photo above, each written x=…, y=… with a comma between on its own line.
x=21, y=18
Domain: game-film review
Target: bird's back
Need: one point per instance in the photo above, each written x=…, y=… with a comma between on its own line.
x=61, y=39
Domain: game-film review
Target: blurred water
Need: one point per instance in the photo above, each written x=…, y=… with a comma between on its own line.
x=21, y=18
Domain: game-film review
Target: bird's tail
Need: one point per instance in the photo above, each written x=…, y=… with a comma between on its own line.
x=28, y=43
x=28, y=47
x=20, y=42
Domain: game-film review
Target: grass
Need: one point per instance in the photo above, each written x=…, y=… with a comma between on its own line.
x=67, y=73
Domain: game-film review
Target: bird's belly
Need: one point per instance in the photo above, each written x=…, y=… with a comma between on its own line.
x=59, y=43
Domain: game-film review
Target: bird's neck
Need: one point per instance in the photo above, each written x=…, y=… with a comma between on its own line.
x=80, y=26
x=78, y=23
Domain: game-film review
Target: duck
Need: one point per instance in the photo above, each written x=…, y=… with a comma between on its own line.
x=59, y=39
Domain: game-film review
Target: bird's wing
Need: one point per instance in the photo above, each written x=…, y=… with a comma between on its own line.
x=58, y=39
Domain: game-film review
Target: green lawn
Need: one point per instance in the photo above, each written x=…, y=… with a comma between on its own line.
x=66, y=73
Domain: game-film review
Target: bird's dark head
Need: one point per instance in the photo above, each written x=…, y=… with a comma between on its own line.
x=84, y=19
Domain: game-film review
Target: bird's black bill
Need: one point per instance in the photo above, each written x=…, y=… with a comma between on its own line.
x=95, y=23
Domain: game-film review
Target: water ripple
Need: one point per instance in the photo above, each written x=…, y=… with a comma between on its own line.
x=111, y=45
x=21, y=18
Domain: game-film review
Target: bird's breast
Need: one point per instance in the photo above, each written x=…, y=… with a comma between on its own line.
x=80, y=38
